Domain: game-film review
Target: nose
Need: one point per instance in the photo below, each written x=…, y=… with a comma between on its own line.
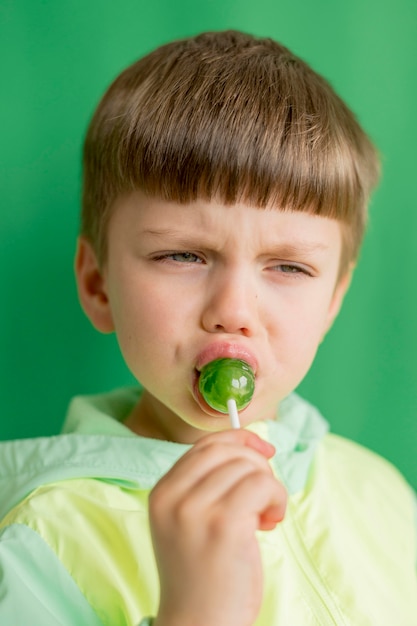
x=231, y=304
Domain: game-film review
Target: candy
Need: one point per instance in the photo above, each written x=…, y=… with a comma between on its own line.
x=227, y=379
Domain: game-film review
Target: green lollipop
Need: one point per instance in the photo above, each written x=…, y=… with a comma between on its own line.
x=227, y=379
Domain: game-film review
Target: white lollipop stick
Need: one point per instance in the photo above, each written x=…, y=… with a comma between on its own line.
x=233, y=414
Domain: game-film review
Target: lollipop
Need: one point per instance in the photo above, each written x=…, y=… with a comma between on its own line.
x=227, y=385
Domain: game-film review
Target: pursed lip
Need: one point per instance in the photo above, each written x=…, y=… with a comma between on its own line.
x=225, y=349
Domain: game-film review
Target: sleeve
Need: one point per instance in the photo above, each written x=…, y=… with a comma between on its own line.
x=415, y=511
x=34, y=586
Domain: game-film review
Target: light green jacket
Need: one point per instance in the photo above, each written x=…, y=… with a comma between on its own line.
x=75, y=548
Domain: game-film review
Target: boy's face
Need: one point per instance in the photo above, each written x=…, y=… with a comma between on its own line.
x=184, y=284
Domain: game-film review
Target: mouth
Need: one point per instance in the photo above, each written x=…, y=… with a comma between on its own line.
x=211, y=353
x=225, y=350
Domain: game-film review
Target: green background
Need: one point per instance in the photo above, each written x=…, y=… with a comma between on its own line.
x=57, y=57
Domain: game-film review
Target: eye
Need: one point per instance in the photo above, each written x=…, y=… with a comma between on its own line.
x=291, y=269
x=181, y=257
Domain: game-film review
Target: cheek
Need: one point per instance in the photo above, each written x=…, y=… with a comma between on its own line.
x=147, y=321
x=303, y=329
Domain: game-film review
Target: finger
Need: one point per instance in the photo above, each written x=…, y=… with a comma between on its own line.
x=258, y=499
x=233, y=442
x=201, y=461
x=213, y=486
x=242, y=437
x=273, y=515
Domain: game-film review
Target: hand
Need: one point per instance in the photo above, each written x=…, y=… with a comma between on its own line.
x=203, y=514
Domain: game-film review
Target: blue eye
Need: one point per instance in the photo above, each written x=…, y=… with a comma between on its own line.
x=289, y=269
x=183, y=257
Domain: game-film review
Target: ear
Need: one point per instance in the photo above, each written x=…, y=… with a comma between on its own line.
x=339, y=293
x=91, y=286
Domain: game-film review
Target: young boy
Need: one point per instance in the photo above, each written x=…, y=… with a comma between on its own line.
x=225, y=195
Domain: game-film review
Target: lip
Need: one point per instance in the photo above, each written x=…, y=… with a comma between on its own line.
x=224, y=349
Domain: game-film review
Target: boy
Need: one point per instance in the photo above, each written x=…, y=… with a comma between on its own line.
x=225, y=195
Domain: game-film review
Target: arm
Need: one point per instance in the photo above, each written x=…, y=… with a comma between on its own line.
x=34, y=587
x=415, y=510
x=204, y=515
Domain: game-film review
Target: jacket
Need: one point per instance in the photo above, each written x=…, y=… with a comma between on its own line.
x=75, y=545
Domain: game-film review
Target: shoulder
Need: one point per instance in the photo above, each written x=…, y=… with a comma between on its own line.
x=347, y=456
x=356, y=515
x=364, y=479
x=359, y=494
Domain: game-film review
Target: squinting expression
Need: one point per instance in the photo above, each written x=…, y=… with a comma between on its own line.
x=189, y=283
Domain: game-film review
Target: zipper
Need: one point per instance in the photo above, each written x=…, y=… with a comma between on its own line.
x=314, y=589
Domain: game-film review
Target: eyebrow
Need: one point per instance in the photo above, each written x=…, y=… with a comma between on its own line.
x=162, y=232
x=306, y=247
x=280, y=249
x=179, y=237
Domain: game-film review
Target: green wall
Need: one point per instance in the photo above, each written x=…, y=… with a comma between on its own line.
x=58, y=57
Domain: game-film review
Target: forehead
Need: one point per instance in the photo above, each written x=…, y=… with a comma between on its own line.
x=140, y=215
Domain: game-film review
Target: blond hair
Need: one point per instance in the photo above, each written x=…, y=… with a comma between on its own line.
x=231, y=116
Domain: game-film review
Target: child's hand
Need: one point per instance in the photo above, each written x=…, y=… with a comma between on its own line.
x=203, y=515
